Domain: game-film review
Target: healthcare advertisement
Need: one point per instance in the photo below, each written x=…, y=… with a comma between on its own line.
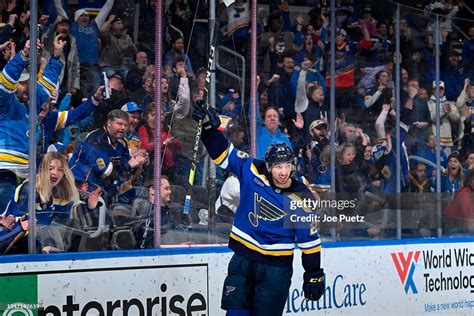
x=390, y=279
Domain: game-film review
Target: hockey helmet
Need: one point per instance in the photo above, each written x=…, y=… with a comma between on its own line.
x=278, y=153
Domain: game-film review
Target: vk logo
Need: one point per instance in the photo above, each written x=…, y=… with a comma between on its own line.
x=406, y=267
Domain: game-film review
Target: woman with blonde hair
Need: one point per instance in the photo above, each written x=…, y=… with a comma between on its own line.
x=56, y=194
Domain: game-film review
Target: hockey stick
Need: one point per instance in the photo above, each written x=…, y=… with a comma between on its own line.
x=14, y=241
x=427, y=162
x=192, y=171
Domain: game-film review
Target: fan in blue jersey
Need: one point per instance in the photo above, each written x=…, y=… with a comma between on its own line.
x=14, y=99
x=103, y=159
x=262, y=236
x=56, y=195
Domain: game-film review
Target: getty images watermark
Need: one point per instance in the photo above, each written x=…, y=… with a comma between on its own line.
x=312, y=206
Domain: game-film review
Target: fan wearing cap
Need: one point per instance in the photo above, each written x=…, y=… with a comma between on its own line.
x=319, y=139
x=116, y=46
x=131, y=136
x=449, y=117
x=345, y=58
x=103, y=158
x=452, y=180
x=14, y=124
x=86, y=32
x=316, y=109
x=70, y=74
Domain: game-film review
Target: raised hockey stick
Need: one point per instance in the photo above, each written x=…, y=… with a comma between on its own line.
x=426, y=162
x=192, y=172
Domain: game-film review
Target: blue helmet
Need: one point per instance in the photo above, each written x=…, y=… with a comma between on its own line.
x=278, y=153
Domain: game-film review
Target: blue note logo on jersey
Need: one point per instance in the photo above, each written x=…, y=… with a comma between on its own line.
x=265, y=210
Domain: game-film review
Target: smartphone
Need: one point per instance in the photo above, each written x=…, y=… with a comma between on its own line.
x=39, y=32
x=106, y=93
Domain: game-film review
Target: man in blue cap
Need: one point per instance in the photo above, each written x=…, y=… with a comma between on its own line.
x=131, y=136
x=103, y=159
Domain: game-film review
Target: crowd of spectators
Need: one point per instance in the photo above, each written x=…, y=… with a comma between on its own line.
x=109, y=139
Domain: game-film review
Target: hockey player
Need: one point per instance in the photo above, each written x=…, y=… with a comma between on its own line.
x=262, y=237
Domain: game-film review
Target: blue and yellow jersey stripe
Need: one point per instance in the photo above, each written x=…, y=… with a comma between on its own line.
x=223, y=159
x=310, y=247
x=279, y=249
x=13, y=157
x=7, y=84
x=47, y=86
x=61, y=120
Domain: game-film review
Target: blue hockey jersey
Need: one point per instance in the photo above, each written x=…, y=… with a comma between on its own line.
x=56, y=209
x=14, y=114
x=54, y=121
x=262, y=229
x=98, y=162
x=387, y=163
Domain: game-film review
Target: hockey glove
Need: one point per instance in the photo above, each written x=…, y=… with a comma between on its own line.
x=313, y=284
x=208, y=115
x=199, y=113
x=214, y=119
